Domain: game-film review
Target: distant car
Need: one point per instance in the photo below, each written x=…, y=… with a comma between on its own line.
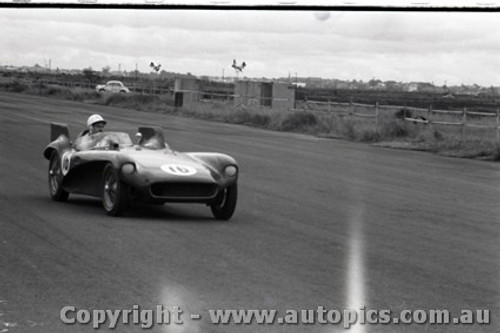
x=108, y=165
x=113, y=87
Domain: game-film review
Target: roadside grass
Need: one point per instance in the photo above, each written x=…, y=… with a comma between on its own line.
x=448, y=142
x=40, y=89
x=476, y=143
x=342, y=122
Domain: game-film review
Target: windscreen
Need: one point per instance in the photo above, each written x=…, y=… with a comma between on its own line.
x=103, y=140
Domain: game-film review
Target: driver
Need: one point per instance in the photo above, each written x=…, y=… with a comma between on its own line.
x=95, y=124
x=86, y=140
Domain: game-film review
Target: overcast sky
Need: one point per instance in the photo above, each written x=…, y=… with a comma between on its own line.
x=438, y=47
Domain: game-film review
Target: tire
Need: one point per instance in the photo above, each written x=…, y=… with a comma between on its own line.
x=55, y=177
x=225, y=204
x=114, y=192
x=102, y=90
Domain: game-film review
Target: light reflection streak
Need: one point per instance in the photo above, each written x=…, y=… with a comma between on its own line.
x=356, y=296
x=179, y=297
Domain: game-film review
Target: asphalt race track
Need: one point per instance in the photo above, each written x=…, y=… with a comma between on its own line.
x=319, y=223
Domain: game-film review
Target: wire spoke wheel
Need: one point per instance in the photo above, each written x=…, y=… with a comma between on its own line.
x=54, y=170
x=110, y=189
x=114, y=195
x=55, y=179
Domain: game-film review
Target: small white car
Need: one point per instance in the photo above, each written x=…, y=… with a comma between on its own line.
x=113, y=87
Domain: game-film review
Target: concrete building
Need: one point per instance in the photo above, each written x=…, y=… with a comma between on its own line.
x=186, y=92
x=264, y=94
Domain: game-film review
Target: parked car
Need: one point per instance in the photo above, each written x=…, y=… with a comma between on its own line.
x=108, y=165
x=113, y=87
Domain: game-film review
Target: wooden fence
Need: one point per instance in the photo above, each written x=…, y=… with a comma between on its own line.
x=429, y=117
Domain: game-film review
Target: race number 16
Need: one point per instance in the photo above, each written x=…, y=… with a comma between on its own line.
x=178, y=169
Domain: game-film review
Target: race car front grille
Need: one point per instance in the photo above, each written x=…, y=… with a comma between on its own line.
x=183, y=190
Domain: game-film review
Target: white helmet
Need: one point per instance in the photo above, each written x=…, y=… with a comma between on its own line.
x=95, y=118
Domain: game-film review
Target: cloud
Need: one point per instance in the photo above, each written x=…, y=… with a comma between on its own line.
x=390, y=45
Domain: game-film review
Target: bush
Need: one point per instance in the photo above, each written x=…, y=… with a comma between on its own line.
x=299, y=120
x=16, y=86
x=403, y=113
x=53, y=91
x=130, y=100
x=369, y=135
x=496, y=152
x=348, y=128
x=394, y=129
x=249, y=118
x=115, y=99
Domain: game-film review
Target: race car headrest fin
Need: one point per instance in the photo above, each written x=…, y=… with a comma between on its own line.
x=152, y=137
x=57, y=129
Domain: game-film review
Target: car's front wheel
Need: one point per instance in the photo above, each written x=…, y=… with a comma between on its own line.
x=225, y=203
x=114, y=192
x=55, y=179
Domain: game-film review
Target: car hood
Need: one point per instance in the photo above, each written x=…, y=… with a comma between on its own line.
x=170, y=162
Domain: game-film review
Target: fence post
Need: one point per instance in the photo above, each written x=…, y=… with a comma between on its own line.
x=376, y=117
x=498, y=123
x=429, y=117
x=350, y=107
x=464, y=120
x=329, y=105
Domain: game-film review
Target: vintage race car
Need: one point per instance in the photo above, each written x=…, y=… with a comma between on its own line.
x=108, y=165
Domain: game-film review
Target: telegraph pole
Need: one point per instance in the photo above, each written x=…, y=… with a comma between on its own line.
x=136, y=73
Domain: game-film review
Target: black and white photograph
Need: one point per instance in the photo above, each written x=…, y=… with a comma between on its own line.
x=227, y=169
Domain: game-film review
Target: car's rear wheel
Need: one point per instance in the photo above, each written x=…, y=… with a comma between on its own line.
x=114, y=192
x=55, y=179
x=225, y=203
